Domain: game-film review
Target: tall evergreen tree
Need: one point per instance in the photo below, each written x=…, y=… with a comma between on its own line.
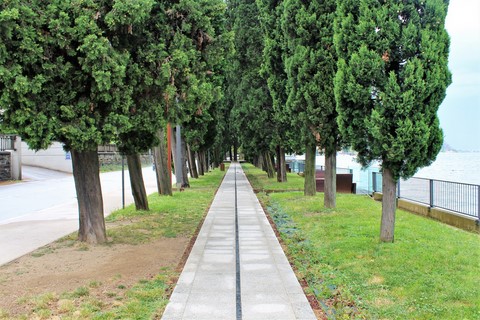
x=145, y=41
x=201, y=127
x=89, y=72
x=198, y=37
x=392, y=76
x=252, y=110
x=310, y=62
x=61, y=80
x=274, y=71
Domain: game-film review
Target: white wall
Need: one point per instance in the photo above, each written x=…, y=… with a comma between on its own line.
x=54, y=158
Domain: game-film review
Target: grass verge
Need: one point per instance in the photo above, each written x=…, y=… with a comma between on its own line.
x=260, y=181
x=430, y=272
x=118, y=166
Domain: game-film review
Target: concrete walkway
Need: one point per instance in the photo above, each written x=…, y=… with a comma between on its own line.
x=237, y=269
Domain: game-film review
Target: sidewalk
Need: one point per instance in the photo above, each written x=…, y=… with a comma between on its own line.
x=36, y=213
x=237, y=270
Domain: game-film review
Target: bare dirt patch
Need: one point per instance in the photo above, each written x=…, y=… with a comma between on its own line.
x=106, y=271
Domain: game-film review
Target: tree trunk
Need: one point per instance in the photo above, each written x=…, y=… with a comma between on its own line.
x=274, y=162
x=230, y=154
x=389, y=190
x=185, y=183
x=192, y=164
x=235, y=152
x=330, y=199
x=281, y=165
x=260, y=161
x=136, y=181
x=89, y=196
x=160, y=156
x=176, y=162
x=269, y=165
x=201, y=167
x=205, y=162
x=310, y=186
x=208, y=162
x=174, y=149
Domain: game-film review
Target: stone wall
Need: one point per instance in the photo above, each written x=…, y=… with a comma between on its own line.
x=115, y=158
x=55, y=158
x=5, y=166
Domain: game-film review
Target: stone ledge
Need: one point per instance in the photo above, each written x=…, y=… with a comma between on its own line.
x=449, y=217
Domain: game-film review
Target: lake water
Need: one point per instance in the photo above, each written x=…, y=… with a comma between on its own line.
x=463, y=167
x=454, y=166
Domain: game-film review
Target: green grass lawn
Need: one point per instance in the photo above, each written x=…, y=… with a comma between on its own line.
x=118, y=166
x=431, y=271
x=260, y=181
x=168, y=217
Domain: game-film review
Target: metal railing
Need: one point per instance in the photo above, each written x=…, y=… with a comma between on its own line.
x=107, y=148
x=339, y=170
x=7, y=142
x=458, y=197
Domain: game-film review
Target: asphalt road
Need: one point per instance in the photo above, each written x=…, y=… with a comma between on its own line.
x=43, y=207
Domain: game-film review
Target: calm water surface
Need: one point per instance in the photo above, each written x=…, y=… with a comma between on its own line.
x=454, y=166
x=461, y=167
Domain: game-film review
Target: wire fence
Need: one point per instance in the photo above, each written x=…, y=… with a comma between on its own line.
x=458, y=197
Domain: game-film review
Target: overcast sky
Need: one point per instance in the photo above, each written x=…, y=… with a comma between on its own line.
x=460, y=111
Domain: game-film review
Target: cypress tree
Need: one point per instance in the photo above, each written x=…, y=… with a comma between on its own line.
x=310, y=62
x=392, y=76
x=61, y=80
x=145, y=41
x=252, y=110
x=274, y=72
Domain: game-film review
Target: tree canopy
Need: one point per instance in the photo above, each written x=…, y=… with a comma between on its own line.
x=252, y=110
x=310, y=64
x=90, y=72
x=262, y=73
x=61, y=78
x=392, y=76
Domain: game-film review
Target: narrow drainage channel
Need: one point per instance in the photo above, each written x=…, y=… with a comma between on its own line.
x=237, y=256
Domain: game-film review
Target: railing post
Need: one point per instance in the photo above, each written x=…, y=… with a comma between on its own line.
x=431, y=193
x=478, y=202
